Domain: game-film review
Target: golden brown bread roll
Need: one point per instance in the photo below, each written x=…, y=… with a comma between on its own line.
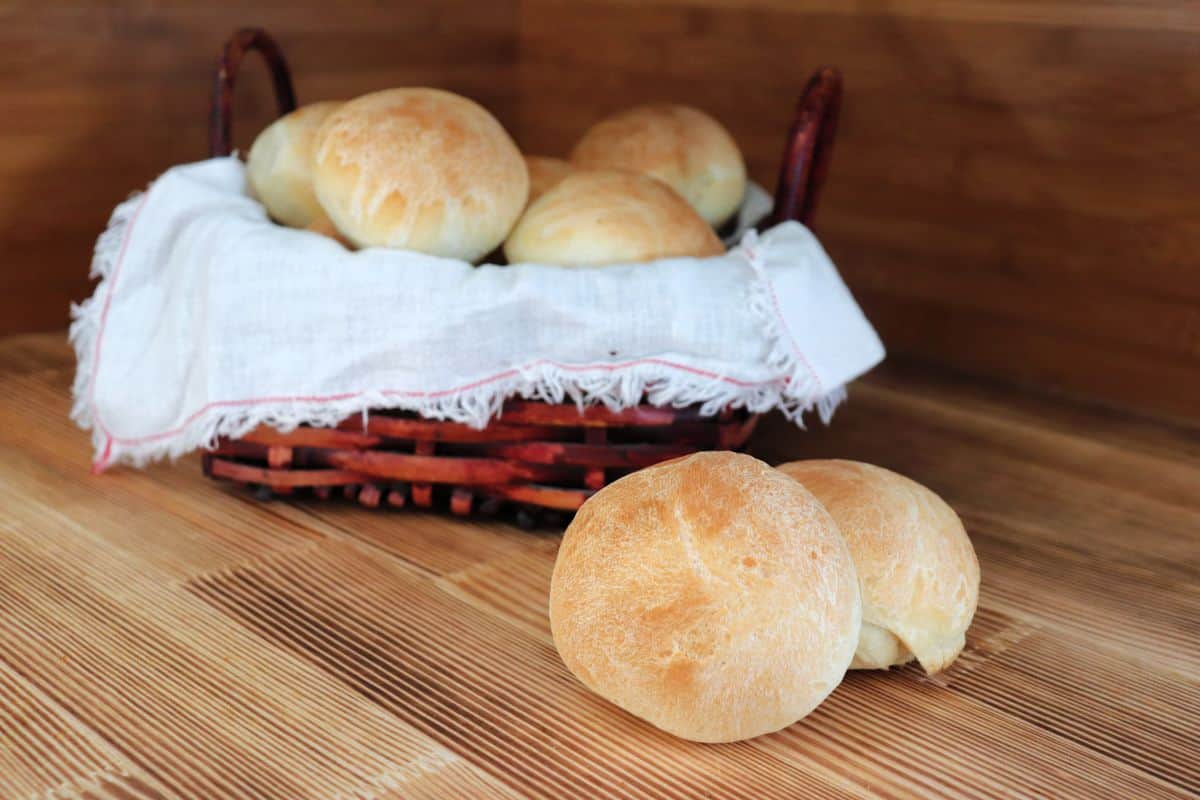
x=919, y=574
x=597, y=217
x=684, y=147
x=544, y=174
x=279, y=164
x=710, y=595
x=419, y=169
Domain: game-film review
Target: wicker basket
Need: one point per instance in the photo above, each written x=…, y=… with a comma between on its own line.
x=542, y=460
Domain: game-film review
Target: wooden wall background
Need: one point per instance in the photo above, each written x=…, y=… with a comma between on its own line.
x=1015, y=193
x=99, y=97
x=1016, y=186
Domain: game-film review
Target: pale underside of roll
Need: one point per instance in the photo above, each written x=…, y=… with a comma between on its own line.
x=919, y=573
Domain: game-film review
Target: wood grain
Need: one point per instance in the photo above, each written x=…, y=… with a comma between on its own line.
x=102, y=97
x=1012, y=194
x=163, y=637
x=498, y=696
x=1012, y=191
x=46, y=752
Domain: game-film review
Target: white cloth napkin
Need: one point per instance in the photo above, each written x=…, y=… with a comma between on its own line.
x=209, y=320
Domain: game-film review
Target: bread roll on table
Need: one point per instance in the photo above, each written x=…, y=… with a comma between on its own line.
x=919, y=574
x=683, y=147
x=594, y=217
x=279, y=165
x=419, y=169
x=710, y=595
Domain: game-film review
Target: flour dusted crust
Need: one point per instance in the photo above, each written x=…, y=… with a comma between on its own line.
x=595, y=217
x=710, y=595
x=279, y=165
x=419, y=169
x=681, y=146
x=919, y=574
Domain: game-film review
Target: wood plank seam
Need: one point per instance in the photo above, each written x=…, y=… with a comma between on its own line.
x=382, y=670
x=95, y=783
x=62, y=706
x=339, y=532
x=176, y=720
x=397, y=777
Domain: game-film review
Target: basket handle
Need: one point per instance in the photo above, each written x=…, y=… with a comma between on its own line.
x=801, y=174
x=220, y=114
x=808, y=148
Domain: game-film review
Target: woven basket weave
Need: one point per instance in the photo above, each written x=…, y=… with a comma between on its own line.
x=543, y=460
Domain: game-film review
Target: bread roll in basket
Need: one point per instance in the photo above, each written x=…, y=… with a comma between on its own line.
x=543, y=459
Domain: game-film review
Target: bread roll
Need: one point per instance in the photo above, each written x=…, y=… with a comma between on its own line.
x=279, y=165
x=920, y=578
x=544, y=174
x=608, y=217
x=710, y=595
x=684, y=147
x=324, y=226
x=419, y=169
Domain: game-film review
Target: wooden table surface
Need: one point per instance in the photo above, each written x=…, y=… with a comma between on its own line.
x=165, y=636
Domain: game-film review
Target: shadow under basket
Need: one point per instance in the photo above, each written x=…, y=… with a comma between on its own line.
x=539, y=460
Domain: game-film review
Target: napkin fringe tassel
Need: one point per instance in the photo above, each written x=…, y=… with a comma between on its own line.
x=795, y=393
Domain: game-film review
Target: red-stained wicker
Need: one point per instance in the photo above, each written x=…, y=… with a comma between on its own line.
x=544, y=460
